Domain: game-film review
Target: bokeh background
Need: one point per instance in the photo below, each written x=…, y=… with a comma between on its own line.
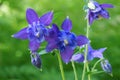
x=15, y=61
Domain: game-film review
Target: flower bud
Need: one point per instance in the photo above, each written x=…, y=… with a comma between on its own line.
x=35, y=60
x=106, y=66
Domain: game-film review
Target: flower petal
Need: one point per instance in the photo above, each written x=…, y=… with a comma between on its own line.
x=107, y=5
x=102, y=50
x=90, y=18
x=51, y=46
x=31, y=16
x=99, y=53
x=90, y=56
x=95, y=53
x=66, y=55
x=53, y=32
x=34, y=45
x=67, y=24
x=82, y=40
x=55, y=28
x=22, y=34
x=104, y=14
x=78, y=58
x=46, y=19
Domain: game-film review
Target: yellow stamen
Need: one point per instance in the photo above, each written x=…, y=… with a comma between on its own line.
x=37, y=34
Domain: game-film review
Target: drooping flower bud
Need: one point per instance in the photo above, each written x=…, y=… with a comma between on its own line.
x=35, y=60
x=106, y=66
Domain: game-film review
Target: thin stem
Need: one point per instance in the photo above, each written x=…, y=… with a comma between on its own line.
x=84, y=70
x=85, y=55
x=98, y=72
x=61, y=66
x=74, y=69
x=87, y=34
x=96, y=64
x=88, y=70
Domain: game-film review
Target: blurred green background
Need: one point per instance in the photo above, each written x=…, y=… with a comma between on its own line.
x=15, y=61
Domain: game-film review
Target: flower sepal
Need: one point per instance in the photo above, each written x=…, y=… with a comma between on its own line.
x=42, y=52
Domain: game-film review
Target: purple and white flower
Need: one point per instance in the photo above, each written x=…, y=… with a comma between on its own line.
x=64, y=40
x=92, y=53
x=96, y=10
x=36, y=30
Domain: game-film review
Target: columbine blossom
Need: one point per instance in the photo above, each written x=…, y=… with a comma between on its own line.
x=97, y=10
x=35, y=60
x=92, y=53
x=64, y=40
x=106, y=66
x=36, y=30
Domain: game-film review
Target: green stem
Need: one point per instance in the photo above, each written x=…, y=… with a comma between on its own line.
x=61, y=66
x=87, y=34
x=84, y=70
x=85, y=55
x=74, y=69
x=98, y=72
x=88, y=70
x=96, y=64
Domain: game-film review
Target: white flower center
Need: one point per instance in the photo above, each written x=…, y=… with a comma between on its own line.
x=65, y=41
x=37, y=34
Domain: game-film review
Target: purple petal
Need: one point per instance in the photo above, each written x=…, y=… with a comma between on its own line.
x=53, y=32
x=78, y=58
x=31, y=16
x=67, y=24
x=46, y=19
x=90, y=56
x=51, y=46
x=55, y=28
x=90, y=48
x=102, y=50
x=94, y=53
x=104, y=14
x=66, y=55
x=98, y=53
x=82, y=40
x=107, y=5
x=90, y=18
x=22, y=34
x=34, y=45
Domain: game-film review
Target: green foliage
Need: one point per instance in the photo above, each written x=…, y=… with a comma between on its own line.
x=14, y=54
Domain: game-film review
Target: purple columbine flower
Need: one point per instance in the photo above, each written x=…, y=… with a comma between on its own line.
x=106, y=66
x=35, y=60
x=97, y=10
x=95, y=53
x=36, y=30
x=65, y=41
